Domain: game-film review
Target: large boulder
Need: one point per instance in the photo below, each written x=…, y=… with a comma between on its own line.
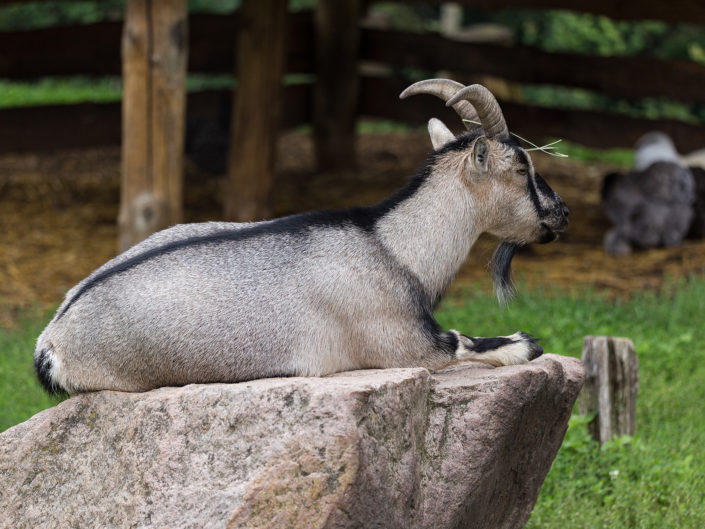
x=398, y=448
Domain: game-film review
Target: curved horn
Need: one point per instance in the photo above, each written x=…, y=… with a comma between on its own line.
x=487, y=107
x=444, y=89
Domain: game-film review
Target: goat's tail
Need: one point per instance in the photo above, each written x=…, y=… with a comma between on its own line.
x=46, y=366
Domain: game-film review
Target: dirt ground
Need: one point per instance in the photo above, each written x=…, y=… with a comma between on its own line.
x=58, y=218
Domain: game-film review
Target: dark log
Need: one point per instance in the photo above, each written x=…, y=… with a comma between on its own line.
x=379, y=98
x=211, y=48
x=256, y=114
x=56, y=127
x=686, y=11
x=611, y=386
x=61, y=51
x=335, y=100
x=613, y=76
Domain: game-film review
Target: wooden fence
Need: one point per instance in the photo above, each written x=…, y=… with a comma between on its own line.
x=330, y=45
x=212, y=50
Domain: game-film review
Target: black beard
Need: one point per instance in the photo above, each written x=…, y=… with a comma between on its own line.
x=501, y=265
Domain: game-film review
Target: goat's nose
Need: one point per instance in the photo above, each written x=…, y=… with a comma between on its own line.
x=565, y=210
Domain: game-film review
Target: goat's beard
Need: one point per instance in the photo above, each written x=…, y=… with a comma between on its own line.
x=501, y=265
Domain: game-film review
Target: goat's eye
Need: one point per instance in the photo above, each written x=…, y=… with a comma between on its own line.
x=522, y=172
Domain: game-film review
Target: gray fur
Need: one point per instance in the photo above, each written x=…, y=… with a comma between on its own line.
x=652, y=205
x=307, y=295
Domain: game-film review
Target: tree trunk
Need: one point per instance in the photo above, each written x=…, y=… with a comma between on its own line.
x=337, y=84
x=611, y=385
x=256, y=114
x=154, y=54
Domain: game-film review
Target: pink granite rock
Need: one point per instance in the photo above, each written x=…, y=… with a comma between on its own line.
x=465, y=447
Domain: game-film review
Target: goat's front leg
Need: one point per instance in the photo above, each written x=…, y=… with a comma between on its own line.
x=518, y=348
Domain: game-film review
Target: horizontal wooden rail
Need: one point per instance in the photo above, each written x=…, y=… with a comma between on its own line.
x=94, y=49
x=685, y=11
x=622, y=77
x=212, y=45
x=379, y=98
x=86, y=125
x=55, y=127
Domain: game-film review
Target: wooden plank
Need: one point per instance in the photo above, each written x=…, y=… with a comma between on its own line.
x=4, y=3
x=26, y=56
x=254, y=125
x=211, y=48
x=88, y=124
x=154, y=76
x=56, y=127
x=613, y=76
x=379, y=98
x=611, y=386
x=685, y=11
x=335, y=107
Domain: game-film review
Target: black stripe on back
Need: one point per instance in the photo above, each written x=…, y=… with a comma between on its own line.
x=364, y=218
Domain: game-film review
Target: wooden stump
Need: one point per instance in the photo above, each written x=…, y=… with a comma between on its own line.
x=337, y=83
x=256, y=113
x=611, y=385
x=154, y=55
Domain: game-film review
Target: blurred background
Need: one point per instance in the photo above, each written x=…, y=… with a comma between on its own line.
x=333, y=132
x=121, y=117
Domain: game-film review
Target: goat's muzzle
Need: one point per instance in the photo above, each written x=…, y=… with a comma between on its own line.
x=556, y=223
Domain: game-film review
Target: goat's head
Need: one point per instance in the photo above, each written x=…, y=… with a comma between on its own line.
x=513, y=201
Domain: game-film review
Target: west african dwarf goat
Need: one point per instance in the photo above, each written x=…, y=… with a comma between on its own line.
x=314, y=293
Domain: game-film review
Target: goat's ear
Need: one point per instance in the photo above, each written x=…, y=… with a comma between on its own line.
x=480, y=156
x=440, y=135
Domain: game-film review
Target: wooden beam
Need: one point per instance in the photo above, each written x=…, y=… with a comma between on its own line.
x=211, y=48
x=256, y=114
x=154, y=75
x=44, y=128
x=335, y=110
x=685, y=11
x=613, y=76
x=56, y=127
x=27, y=52
x=379, y=98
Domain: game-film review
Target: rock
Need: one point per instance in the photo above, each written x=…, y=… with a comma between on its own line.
x=465, y=447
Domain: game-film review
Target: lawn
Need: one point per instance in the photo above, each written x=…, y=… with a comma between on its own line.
x=655, y=479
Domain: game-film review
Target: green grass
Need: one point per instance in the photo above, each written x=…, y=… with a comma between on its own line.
x=21, y=396
x=654, y=479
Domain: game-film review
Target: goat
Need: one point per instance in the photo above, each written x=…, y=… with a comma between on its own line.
x=695, y=162
x=314, y=293
x=652, y=205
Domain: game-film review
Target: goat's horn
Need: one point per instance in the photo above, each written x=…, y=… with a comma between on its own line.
x=487, y=108
x=444, y=89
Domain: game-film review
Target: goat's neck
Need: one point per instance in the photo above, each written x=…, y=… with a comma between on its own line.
x=431, y=232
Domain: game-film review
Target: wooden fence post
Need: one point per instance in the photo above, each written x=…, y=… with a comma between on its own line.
x=154, y=55
x=337, y=83
x=611, y=386
x=257, y=109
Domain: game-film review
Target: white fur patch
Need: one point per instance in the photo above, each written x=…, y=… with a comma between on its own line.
x=514, y=353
